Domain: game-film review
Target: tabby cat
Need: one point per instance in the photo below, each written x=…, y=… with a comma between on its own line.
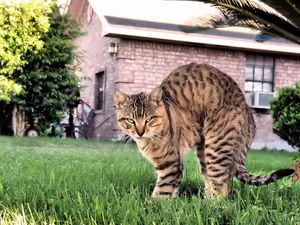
x=197, y=106
x=296, y=176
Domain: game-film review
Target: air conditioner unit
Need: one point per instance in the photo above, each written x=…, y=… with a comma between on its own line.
x=249, y=97
x=260, y=100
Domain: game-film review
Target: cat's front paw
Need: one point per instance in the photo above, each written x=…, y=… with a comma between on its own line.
x=164, y=195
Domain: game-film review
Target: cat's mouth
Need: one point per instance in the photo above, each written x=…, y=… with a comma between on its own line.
x=140, y=138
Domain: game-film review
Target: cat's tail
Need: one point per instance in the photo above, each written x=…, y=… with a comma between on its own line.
x=244, y=176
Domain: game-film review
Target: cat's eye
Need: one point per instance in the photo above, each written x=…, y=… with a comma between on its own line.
x=148, y=120
x=130, y=120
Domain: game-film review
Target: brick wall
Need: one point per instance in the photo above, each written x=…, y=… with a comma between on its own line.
x=97, y=59
x=287, y=71
x=142, y=65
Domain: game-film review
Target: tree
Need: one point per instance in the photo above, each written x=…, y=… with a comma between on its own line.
x=286, y=113
x=50, y=85
x=279, y=18
x=21, y=28
x=37, y=60
x=8, y=88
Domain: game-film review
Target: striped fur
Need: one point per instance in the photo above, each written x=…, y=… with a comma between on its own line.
x=296, y=176
x=195, y=106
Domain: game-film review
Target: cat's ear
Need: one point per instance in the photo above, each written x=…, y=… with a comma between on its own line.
x=155, y=96
x=120, y=98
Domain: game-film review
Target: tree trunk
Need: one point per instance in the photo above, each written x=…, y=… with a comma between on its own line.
x=70, y=131
x=18, y=121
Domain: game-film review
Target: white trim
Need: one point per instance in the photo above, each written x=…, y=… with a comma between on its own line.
x=205, y=39
x=279, y=46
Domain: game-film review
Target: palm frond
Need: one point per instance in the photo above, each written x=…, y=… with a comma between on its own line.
x=288, y=8
x=262, y=20
x=253, y=14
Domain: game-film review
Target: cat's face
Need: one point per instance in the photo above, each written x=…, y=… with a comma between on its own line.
x=142, y=116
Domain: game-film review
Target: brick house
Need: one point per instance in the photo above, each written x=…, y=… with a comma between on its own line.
x=134, y=53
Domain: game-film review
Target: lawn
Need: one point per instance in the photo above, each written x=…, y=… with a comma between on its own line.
x=55, y=181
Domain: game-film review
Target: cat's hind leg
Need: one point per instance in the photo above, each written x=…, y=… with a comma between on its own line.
x=219, y=161
x=216, y=168
x=225, y=144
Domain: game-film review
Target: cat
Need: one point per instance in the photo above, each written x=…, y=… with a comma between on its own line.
x=296, y=176
x=197, y=106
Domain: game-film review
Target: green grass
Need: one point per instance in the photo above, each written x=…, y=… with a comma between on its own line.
x=54, y=181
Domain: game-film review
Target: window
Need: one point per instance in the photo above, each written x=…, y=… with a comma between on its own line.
x=259, y=81
x=100, y=91
x=259, y=73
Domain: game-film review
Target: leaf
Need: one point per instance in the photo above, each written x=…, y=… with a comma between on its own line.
x=280, y=18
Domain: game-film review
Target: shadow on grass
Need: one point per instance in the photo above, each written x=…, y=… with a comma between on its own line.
x=188, y=189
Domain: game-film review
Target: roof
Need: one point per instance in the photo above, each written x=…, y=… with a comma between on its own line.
x=169, y=21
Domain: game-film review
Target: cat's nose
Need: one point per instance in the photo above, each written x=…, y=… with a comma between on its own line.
x=140, y=133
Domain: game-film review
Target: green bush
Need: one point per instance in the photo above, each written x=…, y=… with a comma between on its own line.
x=37, y=60
x=22, y=25
x=286, y=114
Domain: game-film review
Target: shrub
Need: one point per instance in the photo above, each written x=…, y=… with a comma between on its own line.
x=22, y=25
x=49, y=82
x=286, y=114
